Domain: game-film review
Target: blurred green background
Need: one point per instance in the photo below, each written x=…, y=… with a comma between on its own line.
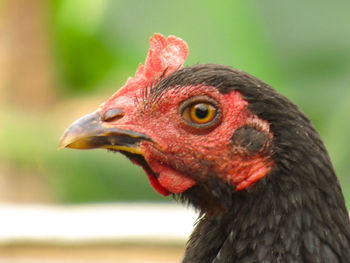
x=59, y=59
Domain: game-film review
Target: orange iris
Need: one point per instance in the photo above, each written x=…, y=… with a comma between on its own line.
x=202, y=113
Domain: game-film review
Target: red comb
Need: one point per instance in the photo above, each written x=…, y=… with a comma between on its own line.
x=164, y=55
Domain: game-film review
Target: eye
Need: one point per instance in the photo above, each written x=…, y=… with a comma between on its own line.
x=199, y=113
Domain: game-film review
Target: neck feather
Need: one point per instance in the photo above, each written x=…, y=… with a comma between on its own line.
x=279, y=221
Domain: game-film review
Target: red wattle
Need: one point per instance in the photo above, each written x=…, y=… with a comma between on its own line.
x=175, y=182
x=155, y=183
x=156, y=186
x=152, y=179
x=170, y=179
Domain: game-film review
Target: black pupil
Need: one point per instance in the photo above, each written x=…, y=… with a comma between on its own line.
x=201, y=111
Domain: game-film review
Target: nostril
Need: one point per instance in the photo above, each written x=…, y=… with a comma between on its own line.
x=113, y=115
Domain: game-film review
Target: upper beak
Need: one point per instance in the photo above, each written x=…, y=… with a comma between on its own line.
x=91, y=132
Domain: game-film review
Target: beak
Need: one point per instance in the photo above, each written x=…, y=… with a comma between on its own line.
x=90, y=132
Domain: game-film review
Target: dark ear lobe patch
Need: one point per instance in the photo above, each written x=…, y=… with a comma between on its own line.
x=250, y=138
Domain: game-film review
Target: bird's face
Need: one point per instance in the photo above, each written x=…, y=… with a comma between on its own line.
x=182, y=135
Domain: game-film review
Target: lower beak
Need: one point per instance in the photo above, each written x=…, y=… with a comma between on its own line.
x=90, y=132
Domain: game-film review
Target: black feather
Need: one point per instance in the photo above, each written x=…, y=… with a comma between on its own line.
x=296, y=213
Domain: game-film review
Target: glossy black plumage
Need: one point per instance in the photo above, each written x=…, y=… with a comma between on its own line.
x=296, y=213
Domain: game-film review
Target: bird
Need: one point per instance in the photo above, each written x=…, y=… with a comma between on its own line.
x=231, y=146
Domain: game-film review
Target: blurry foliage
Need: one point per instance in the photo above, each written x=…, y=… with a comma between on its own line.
x=82, y=52
x=300, y=48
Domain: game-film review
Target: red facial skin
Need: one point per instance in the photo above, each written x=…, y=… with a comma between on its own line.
x=181, y=154
x=180, y=150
